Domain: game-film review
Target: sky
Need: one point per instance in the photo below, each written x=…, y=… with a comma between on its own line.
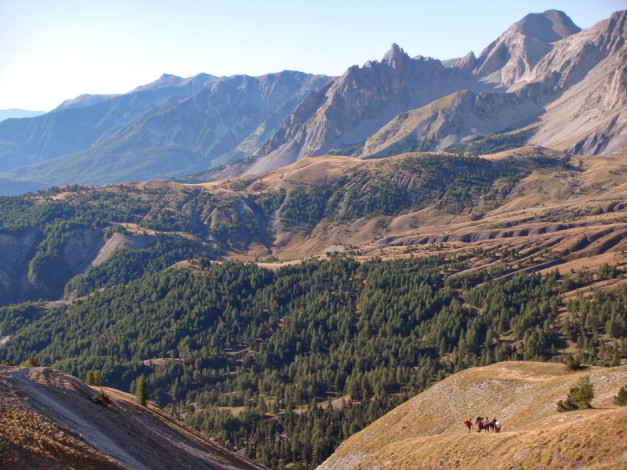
x=56, y=50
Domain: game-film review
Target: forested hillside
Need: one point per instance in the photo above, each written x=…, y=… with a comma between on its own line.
x=62, y=231
x=288, y=363
x=387, y=275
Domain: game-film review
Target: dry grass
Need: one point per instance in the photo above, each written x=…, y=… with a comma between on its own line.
x=427, y=431
x=578, y=213
x=47, y=420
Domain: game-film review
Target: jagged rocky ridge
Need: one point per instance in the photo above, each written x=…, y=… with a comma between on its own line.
x=565, y=87
x=543, y=71
x=171, y=127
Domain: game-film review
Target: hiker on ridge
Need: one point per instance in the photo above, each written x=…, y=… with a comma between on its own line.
x=468, y=424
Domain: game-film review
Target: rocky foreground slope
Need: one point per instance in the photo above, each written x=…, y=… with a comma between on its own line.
x=47, y=420
x=428, y=432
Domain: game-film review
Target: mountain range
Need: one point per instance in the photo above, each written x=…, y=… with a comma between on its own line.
x=544, y=81
x=171, y=127
x=329, y=249
x=543, y=73
x=17, y=113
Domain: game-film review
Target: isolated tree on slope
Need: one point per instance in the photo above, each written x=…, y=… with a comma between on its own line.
x=580, y=396
x=141, y=390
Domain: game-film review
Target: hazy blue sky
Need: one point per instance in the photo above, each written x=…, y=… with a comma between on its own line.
x=52, y=50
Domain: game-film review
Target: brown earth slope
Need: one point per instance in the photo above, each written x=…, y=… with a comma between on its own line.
x=47, y=420
x=428, y=432
x=555, y=211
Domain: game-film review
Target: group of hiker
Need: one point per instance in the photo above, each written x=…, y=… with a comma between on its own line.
x=484, y=423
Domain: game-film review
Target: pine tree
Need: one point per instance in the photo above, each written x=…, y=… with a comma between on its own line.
x=571, y=363
x=580, y=396
x=621, y=398
x=141, y=390
x=582, y=393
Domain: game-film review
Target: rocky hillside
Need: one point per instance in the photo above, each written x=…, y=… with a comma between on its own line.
x=428, y=432
x=50, y=420
x=543, y=72
x=531, y=200
x=173, y=126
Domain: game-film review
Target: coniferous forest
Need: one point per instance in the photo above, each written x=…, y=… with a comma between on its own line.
x=288, y=363
x=285, y=364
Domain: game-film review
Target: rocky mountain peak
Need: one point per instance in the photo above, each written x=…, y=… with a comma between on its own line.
x=515, y=52
x=468, y=62
x=165, y=80
x=550, y=26
x=395, y=56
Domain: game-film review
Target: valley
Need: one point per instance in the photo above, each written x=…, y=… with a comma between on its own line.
x=367, y=301
x=325, y=272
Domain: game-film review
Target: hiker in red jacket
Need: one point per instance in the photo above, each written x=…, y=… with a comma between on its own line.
x=468, y=424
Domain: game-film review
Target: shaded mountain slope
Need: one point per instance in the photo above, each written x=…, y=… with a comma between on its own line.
x=11, y=187
x=223, y=121
x=427, y=431
x=77, y=124
x=49, y=421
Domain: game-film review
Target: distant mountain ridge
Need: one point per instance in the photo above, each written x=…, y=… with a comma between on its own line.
x=78, y=124
x=171, y=127
x=17, y=113
x=519, y=79
x=564, y=87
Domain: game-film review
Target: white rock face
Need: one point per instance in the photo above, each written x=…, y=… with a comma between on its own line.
x=589, y=116
x=522, y=45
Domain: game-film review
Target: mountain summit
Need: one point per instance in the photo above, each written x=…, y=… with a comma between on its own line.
x=395, y=56
x=550, y=26
x=522, y=46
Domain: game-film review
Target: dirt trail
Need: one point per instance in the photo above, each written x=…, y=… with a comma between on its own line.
x=451, y=402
